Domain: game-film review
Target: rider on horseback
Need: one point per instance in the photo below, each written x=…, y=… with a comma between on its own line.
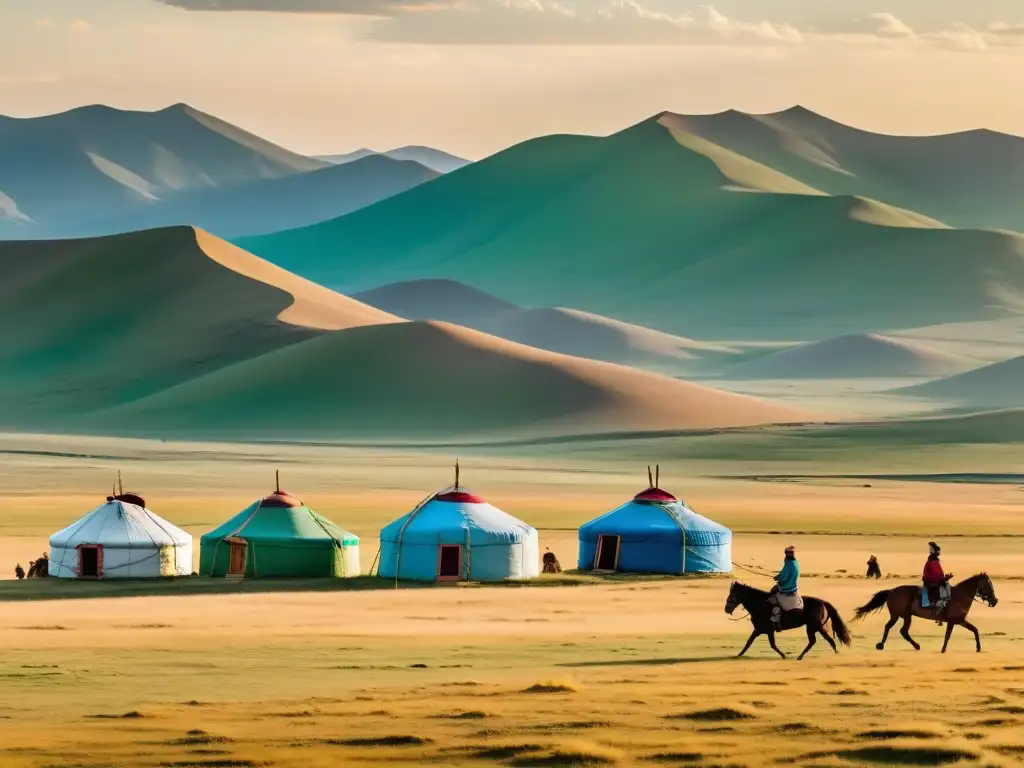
x=936, y=582
x=786, y=597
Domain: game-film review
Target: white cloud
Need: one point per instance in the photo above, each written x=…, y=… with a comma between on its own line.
x=80, y=25
x=890, y=26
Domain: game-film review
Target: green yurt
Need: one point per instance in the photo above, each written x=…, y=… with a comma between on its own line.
x=279, y=536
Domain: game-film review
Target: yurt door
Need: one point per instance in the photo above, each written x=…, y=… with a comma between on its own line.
x=236, y=558
x=90, y=561
x=607, y=558
x=449, y=562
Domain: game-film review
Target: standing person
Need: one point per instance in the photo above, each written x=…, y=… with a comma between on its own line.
x=874, y=569
x=43, y=565
x=787, y=598
x=936, y=582
x=19, y=572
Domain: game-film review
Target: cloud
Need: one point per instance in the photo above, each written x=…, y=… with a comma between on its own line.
x=617, y=22
x=352, y=7
x=80, y=25
x=550, y=22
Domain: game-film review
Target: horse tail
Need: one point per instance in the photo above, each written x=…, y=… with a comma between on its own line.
x=839, y=628
x=875, y=604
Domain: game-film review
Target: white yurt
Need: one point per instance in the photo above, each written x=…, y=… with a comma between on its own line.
x=455, y=535
x=120, y=539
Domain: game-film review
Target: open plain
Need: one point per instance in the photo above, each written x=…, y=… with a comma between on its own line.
x=570, y=670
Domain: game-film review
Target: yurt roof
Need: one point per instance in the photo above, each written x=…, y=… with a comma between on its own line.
x=120, y=523
x=280, y=517
x=457, y=509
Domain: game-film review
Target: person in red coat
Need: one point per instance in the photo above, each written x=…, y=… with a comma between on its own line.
x=935, y=580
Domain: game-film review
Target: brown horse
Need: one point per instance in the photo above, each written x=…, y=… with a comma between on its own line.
x=818, y=616
x=905, y=603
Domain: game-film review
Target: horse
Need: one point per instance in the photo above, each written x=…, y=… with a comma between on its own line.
x=819, y=616
x=905, y=603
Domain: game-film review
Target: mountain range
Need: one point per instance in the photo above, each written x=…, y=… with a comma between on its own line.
x=659, y=227
x=569, y=285
x=435, y=159
x=98, y=170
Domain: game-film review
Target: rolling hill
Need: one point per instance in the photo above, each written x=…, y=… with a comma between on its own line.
x=929, y=174
x=87, y=325
x=431, y=381
x=435, y=159
x=96, y=170
x=862, y=355
x=447, y=300
x=556, y=329
x=667, y=231
x=1000, y=385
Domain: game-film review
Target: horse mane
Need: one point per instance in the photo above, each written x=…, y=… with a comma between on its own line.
x=748, y=590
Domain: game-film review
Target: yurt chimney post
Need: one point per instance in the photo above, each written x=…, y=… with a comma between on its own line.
x=120, y=487
x=277, y=480
x=657, y=475
x=650, y=480
x=456, y=472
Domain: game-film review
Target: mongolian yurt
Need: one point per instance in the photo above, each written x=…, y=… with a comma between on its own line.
x=120, y=539
x=455, y=535
x=655, y=532
x=278, y=536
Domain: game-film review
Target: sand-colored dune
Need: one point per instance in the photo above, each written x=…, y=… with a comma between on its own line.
x=1000, y=385
x=638, y=227
x=861, y=355
x=428, y=380
x=930, y=174
x=88, y=324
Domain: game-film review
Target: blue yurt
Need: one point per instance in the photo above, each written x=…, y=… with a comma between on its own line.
x=655, y=532
x=455, y=535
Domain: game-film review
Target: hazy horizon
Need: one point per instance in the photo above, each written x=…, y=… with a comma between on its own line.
x=474, y=76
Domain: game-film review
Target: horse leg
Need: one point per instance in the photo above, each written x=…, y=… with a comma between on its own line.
x=974, y=629
x=828, y=639
x=905, y=631
x=811, y=640
x=949, y=631
x=893, y=618
x=750, y=640
x=771, y=642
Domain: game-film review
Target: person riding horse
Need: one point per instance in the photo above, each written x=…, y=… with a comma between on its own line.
x=936, y=582
x=786, y=597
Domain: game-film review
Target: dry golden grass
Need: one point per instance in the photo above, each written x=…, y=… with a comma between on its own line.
x=624, y=673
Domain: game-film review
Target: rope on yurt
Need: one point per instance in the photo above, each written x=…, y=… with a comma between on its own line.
x=75, y=529
x=316, y=519
x=401, y=533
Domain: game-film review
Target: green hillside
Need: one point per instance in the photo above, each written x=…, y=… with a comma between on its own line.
x=691, y=240
x=970, y=179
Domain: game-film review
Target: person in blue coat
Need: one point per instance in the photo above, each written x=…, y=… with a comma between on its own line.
x=787, y=595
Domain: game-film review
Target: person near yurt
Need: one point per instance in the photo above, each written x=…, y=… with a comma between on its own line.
x=279, y=536
x=120, y=539
x=654, y=532
x=455, y=535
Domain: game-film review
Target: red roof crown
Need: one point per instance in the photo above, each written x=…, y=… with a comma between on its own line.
x=654, y=494
x=280, y=499
x=459, y=497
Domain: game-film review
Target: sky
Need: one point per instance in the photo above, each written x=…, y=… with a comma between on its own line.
x=474, y=76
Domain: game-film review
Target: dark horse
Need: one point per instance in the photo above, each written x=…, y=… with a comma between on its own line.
x=818, y=616
x=905, y=603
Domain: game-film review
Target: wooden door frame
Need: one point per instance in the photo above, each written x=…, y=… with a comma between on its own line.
x=244, y=546
x=99, y=560
x=600, y=546
x=440, y=550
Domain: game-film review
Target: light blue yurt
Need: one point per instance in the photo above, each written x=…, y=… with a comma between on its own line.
x=655, y=533
x=455, y=535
